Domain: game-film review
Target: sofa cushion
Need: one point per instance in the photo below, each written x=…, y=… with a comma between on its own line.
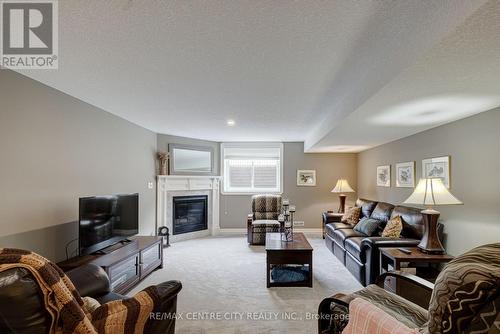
x=352, y=215
x=368, y=226
x=366, y=206
x=330, y=228
x=413, y=226
x=353, y=247
x=339, y=236
x=382, y=212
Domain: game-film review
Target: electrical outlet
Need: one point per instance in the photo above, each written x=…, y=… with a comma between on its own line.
x=298, y=223
x=150, y=185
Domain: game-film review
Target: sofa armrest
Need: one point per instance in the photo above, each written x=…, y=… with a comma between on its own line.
x=162, y=318
x=330, y=217
x=389, y=242
x=90, y=280
x=249, y=219
x=371, y=245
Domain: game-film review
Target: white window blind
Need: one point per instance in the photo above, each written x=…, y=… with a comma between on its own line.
x=251, y=169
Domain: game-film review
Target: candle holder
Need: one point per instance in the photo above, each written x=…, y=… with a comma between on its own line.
x=286, y=221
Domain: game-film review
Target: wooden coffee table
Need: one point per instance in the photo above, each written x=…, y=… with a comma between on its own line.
x=298, y=251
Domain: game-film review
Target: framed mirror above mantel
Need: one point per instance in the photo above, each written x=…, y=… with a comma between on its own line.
x=191, y=159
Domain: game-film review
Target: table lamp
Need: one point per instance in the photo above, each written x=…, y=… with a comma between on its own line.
x=431, y=192
x=342, y=187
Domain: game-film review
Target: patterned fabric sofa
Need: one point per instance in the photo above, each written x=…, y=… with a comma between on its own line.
x=264, y=218
x=465, y=299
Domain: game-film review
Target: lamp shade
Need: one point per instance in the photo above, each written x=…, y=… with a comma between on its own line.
x=342, y=186
x=430, y=192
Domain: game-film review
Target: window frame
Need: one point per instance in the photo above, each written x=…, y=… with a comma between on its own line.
x=258, y=145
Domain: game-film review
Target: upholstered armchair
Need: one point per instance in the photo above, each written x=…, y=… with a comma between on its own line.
x=264, y=218
x=465, y=299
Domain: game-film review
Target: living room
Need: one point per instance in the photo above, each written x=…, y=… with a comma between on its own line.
x=253, y=159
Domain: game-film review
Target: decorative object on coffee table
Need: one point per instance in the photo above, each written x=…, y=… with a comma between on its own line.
x=437, y=167
x=342, y=187
x=431, y=192
x=306, y=178
x=162, y=162
x=286, y=221
x=384, y=176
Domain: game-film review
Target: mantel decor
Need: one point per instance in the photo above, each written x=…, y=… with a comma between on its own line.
x=286, y=221
x=431, y=192
x=162, y=162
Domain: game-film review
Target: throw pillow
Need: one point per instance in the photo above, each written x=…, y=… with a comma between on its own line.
x=393, y=228
x=367, y=226
x=351, y=216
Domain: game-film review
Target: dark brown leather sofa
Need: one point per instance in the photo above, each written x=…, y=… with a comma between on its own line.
x=359, y=253
x=22, y=307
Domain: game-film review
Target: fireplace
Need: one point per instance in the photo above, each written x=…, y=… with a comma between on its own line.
x=189, y=214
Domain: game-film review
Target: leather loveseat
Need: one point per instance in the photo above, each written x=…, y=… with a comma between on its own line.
x=359, y=253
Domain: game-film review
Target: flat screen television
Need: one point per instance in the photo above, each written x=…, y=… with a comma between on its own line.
x=107, y=220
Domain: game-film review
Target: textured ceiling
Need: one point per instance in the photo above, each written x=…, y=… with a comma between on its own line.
x=317, y=71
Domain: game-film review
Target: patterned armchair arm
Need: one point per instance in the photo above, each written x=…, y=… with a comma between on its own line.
x=415, y=280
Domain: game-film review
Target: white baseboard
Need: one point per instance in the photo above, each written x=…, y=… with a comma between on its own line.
x=243, y=231
x=232, y=231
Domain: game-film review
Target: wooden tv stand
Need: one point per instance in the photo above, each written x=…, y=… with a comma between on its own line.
x=125, y=263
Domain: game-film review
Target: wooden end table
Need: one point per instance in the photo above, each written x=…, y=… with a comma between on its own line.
x=278, y=252
x=423, y=263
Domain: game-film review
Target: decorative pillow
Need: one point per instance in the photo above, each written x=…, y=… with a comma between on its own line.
x=351, y=216
x=367, y=226
x=393, y=228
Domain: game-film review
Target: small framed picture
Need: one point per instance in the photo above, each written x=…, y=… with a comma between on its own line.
x=437, y=167
x=306, y=178
x=405, y=174
x=384, y=176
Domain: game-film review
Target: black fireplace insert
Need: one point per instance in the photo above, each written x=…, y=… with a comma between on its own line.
x=189, y=214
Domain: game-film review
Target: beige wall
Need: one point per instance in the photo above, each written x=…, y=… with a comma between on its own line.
x=310, y=202
x=55, y=149
x=473, y=144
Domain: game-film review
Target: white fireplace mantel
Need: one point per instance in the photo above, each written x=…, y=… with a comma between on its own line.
x=168, y=185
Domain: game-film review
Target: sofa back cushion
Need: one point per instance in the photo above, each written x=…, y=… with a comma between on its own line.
x=466, y=296
x=266, y=206
x=413, y=225
x=382, y=212
x=366, y=206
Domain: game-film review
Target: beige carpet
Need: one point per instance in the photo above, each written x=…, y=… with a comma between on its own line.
x=225, y=279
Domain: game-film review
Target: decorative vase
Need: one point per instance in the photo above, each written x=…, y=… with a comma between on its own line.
x=163, y=167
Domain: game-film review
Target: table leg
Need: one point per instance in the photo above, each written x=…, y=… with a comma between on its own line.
x=268, y=269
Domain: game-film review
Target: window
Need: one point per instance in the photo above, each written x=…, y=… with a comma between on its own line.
x=251, y=167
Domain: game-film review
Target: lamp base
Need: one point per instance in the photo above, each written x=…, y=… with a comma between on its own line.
x=430, y=242
x=342, y=203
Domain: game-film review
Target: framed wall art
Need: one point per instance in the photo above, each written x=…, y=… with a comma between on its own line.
x=405, y=174
x=384, y=176
x=306, y=178
x=437, y=167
